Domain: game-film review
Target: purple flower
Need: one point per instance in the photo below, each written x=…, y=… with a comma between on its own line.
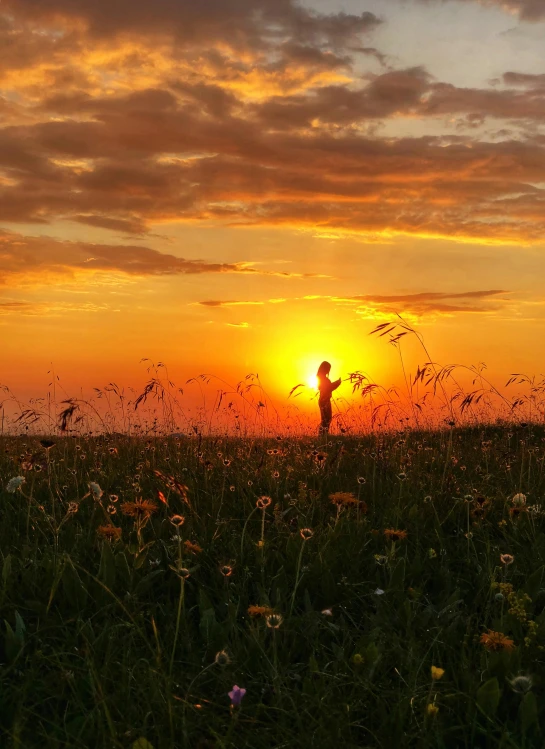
x=236, y=695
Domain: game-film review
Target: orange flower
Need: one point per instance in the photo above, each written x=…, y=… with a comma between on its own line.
x=516, y=511
x=260, y=610
x=496, y=641
x=142, y=508
x=109, y=532
x=395, y=535
x=347, y=499
x=193, y=548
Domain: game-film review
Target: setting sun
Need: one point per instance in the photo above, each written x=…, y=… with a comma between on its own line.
x=312, y=381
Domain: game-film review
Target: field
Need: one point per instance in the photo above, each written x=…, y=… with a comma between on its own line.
x=382, y=591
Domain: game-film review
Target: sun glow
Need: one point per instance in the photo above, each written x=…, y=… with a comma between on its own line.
x=312, y=381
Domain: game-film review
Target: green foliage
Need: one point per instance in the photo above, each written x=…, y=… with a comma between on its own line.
x=127, y=628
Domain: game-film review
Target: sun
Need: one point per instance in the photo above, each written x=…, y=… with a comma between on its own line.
x=312, y=381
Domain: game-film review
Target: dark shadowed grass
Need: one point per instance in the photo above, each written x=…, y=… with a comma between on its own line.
x=115, y=642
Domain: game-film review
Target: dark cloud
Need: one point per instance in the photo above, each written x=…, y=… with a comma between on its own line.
x=237, y=23
x=22, y=257
x=426, y=303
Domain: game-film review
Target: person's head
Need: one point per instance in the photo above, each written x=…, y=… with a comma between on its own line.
x=323, y=370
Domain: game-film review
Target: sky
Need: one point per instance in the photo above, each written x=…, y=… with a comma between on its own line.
x=254, y=185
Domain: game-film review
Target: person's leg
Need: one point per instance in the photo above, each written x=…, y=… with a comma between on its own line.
x=324, y=426
x=328, y=415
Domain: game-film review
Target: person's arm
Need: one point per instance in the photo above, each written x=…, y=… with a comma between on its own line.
x=336, y=384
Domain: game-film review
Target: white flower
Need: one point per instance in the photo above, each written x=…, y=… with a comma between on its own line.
x=14, y=484
x=327, y=612
x=519, y=499
x=379, y=592
x=96, y=491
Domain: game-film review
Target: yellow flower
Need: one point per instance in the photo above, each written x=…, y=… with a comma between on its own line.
x=432, y=710
x=437, y=673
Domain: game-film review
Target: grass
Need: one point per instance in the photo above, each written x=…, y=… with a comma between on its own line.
x=115, y=642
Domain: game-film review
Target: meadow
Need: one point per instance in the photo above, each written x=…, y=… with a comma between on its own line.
x=379, y=591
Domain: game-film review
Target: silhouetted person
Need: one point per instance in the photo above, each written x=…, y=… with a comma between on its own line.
x=326, y=387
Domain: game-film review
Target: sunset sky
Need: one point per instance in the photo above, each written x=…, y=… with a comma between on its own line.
x=236, y=186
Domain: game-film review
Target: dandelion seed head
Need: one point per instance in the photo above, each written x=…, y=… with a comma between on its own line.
x=15, y=483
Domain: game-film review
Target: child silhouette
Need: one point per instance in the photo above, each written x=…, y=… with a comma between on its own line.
x=326, y=387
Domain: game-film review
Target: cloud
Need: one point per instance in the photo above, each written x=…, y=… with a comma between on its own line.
x=431, y=303
x=50, y=309
x=217, y=303
x=251, y=113
x=415, y=304
x=243, y=23
x=35, y=260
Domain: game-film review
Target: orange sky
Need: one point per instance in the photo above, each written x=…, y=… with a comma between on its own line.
x=254, y=185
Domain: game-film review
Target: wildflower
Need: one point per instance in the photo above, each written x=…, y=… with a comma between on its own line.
x=112, y=509
x=521, y=684
x=402, y=476
x=427, y=499
x=114, y=498
x=306, y=533
x=260, y=610
x=192, y=548
x=96, y=491
x=320, y=457
x=432, y=710
x=232, y=488
x=327, y=612
x=276, y=474
x=381, y=559
x=496, y=641
x=72, y=508
x=109, y=532
x=260, y=544
x=142, y=508
x=344, y=499
x=222, y=658
x=112, y=450
x=14, y=484
x=263, y=502
x=432, y=553
x=236, y=695
x=437, y=673
x=519, y=500
x=516, y=511
x=226, y=570
x=357, y=659
x=507, y=559
x=274, y=620
x=161, y=497
x=177, y=520
x=226, y=462
x=361, y=480
x=395, y=535
x=379, y=592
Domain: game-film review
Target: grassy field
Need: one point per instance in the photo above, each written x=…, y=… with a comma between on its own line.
x=386, y=591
